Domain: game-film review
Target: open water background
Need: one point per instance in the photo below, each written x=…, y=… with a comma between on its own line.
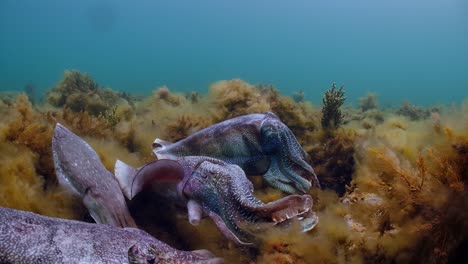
x=414, y=50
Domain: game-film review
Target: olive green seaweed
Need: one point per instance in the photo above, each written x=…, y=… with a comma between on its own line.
x=333, y=99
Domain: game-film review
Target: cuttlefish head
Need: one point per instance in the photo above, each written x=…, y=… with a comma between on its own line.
x=223, y=192
x=150, y=250
x=289, y=170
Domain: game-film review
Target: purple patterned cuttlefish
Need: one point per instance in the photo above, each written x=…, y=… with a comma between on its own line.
x=26, y=237
x=259, y=143
x=80, y=170
x=211, y=187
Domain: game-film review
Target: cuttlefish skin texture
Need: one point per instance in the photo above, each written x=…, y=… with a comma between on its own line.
x=259, y=143
x=31, y=238
x=211, y=187
x=80, y=170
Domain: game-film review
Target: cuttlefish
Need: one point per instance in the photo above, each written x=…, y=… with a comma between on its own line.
x=211, y=187
x=80, y=170
x=259, y=143
x=31, y=238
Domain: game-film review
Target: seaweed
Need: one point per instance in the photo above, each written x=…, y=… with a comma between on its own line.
x=164, y=94
x=7, y=98
x=234, y=98
x=80, y=93
x=27, y=179
x=30, y=90
x=84, y=123
x=369, y=102
x=298, y=96
x=28, y=128
x=110, y=117
x=333, y=99
x=184, y=126
x=333, y=159
x=413, y=112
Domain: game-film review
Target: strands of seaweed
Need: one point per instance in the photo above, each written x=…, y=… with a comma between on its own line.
x=184, y=126
x=332, y=156
x=234, y=98
x=27, y=178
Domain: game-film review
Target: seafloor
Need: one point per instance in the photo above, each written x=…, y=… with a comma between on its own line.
x=394, y=180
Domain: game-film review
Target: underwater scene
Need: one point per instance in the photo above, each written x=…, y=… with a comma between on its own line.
x=248, y=132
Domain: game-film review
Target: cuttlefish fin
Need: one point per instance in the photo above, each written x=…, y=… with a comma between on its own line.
x=125, y=175
x=160, y=148
x=160, y=144
x=132, y=180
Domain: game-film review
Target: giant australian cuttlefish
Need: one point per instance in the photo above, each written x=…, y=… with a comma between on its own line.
x=220, y=190
x=259, y=143
x=26, y=237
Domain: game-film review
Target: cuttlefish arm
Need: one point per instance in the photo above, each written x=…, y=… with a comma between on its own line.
x=221, y=191
x=259, y=143
x=227, y=196
x=31, y=238
x=80, y=170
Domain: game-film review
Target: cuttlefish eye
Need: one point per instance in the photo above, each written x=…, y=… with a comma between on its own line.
x=206, y=170
x=152, y=260
x=270, y=128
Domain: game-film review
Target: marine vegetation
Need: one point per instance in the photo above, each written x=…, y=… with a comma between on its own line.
x=30, y=90
x=404, y=197
x=298, y=96
x=412, y=112
x=332, y=100
x=80, y=93
x=368, y=102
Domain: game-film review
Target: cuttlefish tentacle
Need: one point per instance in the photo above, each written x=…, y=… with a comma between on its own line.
x=227, y=196
x=288, y=158
x=271, y=177
x=195, y=212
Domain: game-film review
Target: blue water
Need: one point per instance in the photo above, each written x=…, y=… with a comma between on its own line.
x=413, y=50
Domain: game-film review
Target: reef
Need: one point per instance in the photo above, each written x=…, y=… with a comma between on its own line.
x=394, y=183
